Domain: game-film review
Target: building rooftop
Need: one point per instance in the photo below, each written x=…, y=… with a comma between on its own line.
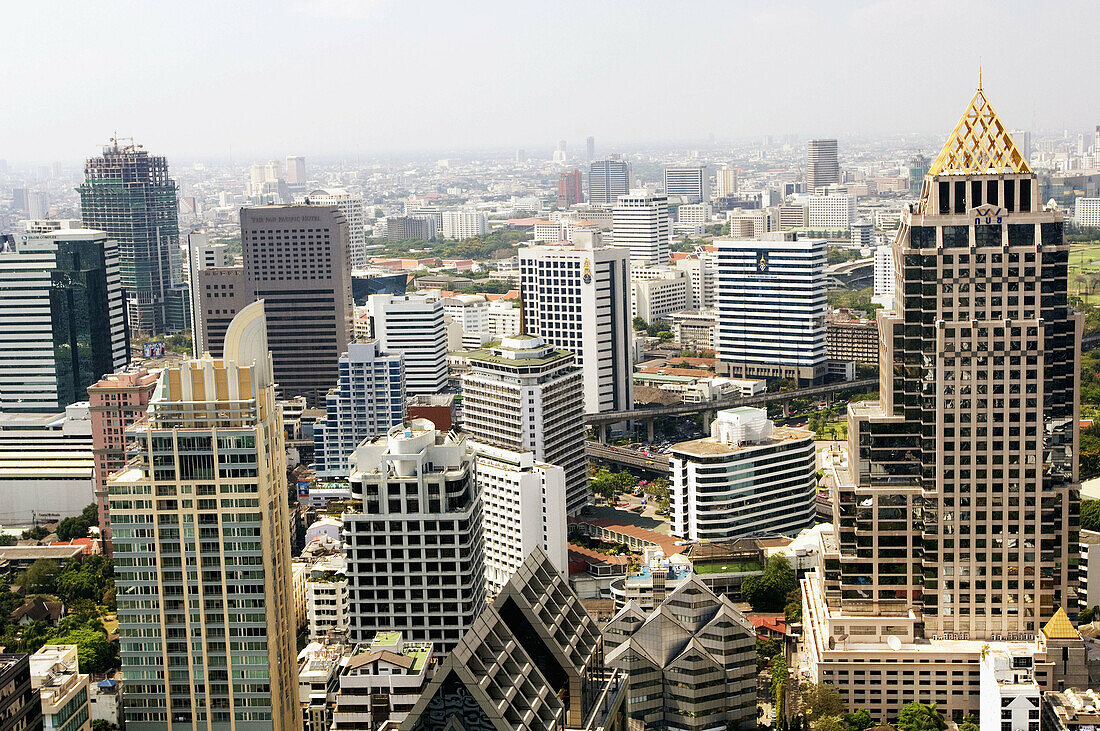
x=1059, y=627
x=713, y=447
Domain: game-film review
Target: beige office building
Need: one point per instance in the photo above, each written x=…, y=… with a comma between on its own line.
x=956, y=516
x=201, y=535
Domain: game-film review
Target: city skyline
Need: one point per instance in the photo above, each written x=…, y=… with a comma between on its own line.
x=495, y=56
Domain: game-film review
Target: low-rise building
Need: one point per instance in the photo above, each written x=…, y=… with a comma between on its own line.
x=693, y=329
x=1009, y=691
x=327, y=595
x=852, y=340
x=380, y=681
x=318, y=671
x=62, y=688
x=1070, y=710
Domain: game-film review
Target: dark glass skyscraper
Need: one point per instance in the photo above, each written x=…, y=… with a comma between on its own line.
x=128, y=194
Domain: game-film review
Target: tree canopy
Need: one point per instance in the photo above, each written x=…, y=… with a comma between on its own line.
x=920, y=717
x=768, y=591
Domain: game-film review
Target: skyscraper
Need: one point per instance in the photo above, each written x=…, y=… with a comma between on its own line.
x=578, y=298
x=527, y=396
x=414, y=538
x=918, y=168
x=640, y=222
x=771, y=308
x=127, y=193
x=412, y=326
x=608, y=179
x=295, y=170
x=727, y=183
x=296, y=260
x=570, y=189
x=62, y=313
x=688, y=183
x=956, y=520
x=351, y=205
x=822, y=167
x=201, y=531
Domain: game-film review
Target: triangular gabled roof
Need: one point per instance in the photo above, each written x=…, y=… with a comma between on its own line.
x=1060, y=628
x=979, y=145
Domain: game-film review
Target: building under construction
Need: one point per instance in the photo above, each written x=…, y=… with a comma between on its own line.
x=128, y=194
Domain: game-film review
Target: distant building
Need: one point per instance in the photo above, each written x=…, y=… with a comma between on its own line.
x=694, y=329
x=590, y=147
x=62, y=311
x=464, y=224
x=327, y=595
x=691, y=661
x=570, y=189
x=748, y=476
x=831, y=212
x=659, y=291
x=884, y=276
x=415, y=489
x=822, y=167
x=688, y=183
x=727, y=183
x=695, y=216
x=918, y=168
x=351, y=205
x=399, y=228
x=412, y=326
x=607, y=180
x=792, y=216
x=1086, y=212
x=642, y=225
x=863, y=234
x=368, y=401
x=749, y=224
x=295, y=170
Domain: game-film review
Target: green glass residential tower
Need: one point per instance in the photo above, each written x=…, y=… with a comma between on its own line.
x=128, y=194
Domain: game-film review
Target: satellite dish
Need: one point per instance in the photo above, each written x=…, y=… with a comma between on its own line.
x=893, y=642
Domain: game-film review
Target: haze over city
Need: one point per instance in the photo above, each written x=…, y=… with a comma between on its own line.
x=361, y=77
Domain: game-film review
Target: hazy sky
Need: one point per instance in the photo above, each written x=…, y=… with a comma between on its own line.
x=197, y=78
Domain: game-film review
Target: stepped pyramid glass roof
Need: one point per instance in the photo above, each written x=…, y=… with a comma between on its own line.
x=980, y=144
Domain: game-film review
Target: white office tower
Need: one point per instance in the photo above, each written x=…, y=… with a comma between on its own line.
x=831, y=212
x=527, y=396
x=471, y=313
x=62, y=323
x=641, y=224
x=523, y=502
x=771, y=308
x=413, y=326
x=726, y=183
x=368, y=401
x=38, y=205
x=414, y=538
x=464, y=224
x=607, y=180
x=693, y=218
x=863, y=234
x=748, y=476
x=822, y=167
x=1086, y=212
x=503, y=318
x=688, y=183
x=578, y=298
x=657, y=292
x=884, y=276
x=351, y=205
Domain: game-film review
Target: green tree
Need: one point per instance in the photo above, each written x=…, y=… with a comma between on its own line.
x=792, y=610
x=779, y=674
x=659, y=488
x=100, y=725
x=766, y=650
x=821, y=700
x=920, y=717
x=858, y=720
x=609, y=485
x=93, y=649
x=8, y=540
x=36, y=533
x=767, y=592
x=40, y=577
x=970, y=723
x=639, y=323
x=1090, y=512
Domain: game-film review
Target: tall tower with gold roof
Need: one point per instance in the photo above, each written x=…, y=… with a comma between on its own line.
x=956, y=522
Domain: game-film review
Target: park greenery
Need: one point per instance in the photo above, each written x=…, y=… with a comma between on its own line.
x=770, y=591
x=853, y=299
x=481, y=248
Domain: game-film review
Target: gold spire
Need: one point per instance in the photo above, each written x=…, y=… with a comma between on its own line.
x=1059, y=627
x=980, y=144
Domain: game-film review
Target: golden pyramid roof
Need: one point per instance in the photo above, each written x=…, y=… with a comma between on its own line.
x=979, y=145
x=1059, y=627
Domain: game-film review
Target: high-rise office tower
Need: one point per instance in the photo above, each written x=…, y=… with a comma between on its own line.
x=771, y=308
x=607, y=180
x=38, y=205
x=296, y=260
x=689, y=183
x=351, y=205
x=368, y=401
x=19, y=199
x=527, y=396
x=822, y=167
x=570, y=189
x=295, y=170
x=918, y=168
x=1022, y=138
x=115, y=402
x=127, y=193
x=412, y=326
x=955, y=526
x=201, y=531
x=641, y=224
x=590, y=147
x=62, y=313
x=578, y=298
x=726, y=182
x=414, y=542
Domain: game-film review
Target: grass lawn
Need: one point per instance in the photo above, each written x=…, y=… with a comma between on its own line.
x=725, y=567
x=1086, y=254
x=840, y=427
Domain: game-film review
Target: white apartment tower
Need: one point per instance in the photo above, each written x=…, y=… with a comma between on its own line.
x=412, y=326
x=771, y=308
x=748, y=476
x=884, y=276
x=726, y=183
x=578, y=298
x=526, y=396
x=641, y=224
x=831, y=212
x=368, y=401
x=351, y=205
x=464, y=224
x=524, y=509
x=414, y=540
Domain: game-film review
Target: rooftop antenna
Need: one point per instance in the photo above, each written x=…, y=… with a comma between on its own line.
x=979, y=73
